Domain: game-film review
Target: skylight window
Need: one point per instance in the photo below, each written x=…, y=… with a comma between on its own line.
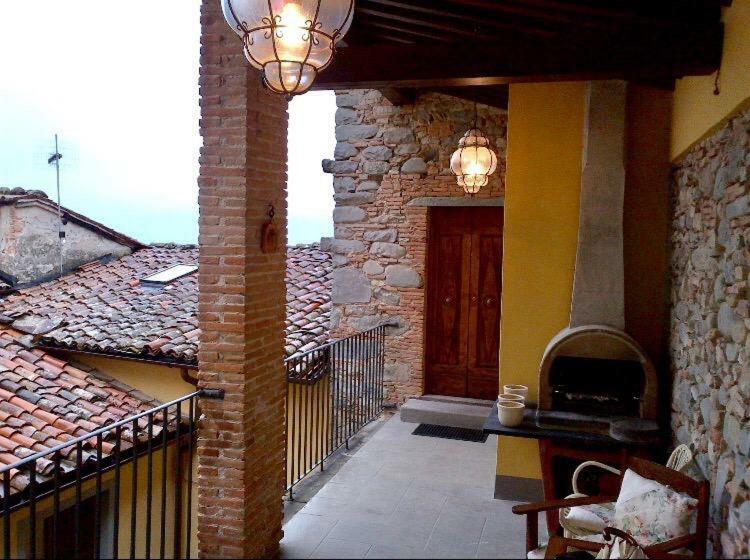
x=170, y=274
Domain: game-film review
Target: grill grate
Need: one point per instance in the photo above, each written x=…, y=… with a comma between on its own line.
x=449, y=432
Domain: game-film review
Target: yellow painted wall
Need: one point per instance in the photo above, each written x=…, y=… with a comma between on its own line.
x=697, y=111
x=161, y=382
x=310, y=420
x=543, y=181
x=20, y=520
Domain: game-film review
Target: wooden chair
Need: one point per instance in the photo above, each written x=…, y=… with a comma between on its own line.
x=695, y=542
x=680, y=458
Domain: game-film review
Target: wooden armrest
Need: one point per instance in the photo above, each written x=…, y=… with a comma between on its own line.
x=584, y=545
x=663, y=550
x=528, y=509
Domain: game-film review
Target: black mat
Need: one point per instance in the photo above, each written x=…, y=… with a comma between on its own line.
x=448, y=432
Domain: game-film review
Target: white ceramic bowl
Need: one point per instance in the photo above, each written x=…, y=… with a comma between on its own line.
x=509, y=397
x=510, y=413
x=521, y=390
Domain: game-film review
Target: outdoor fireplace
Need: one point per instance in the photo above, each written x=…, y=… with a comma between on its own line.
x=595, y=372
x=592, y=372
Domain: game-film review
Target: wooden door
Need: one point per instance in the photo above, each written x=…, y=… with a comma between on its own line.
x=463, y=302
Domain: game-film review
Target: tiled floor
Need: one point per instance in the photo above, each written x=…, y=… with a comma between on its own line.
x=405, y=496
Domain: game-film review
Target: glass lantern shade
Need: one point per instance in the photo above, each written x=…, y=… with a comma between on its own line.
x=474, y=161
x=290, y=41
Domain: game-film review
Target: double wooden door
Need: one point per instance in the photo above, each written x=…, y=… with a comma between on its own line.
x=464, y=285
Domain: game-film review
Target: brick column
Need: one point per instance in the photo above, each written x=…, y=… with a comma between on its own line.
x=241, y=440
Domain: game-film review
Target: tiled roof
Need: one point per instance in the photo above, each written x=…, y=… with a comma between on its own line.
x=103, y=307
x=20, y=196
x=45, y=401
x=308, y=297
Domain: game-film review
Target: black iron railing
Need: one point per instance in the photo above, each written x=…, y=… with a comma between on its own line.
x=122, y=490
x=333, y=391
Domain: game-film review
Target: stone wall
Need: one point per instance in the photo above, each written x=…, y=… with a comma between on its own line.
x=386, y=156
x=710, y=347
x=30, y=245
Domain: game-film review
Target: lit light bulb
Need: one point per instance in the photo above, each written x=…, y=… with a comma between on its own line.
x=293, y=29
x=290, y=41
x=473, y=162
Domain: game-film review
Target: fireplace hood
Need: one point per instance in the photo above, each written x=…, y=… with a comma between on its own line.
x=593, y=368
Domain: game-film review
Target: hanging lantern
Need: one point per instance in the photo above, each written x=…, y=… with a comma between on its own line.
x=290, y=41
x=474, y=161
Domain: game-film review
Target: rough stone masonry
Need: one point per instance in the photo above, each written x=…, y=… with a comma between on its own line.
x=386, y=156
x=710, y=346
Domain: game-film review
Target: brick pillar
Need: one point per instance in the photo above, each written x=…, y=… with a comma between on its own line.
x=241, y=443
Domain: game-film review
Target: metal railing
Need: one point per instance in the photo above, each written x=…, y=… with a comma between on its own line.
x=96, y=496
x=333, y=391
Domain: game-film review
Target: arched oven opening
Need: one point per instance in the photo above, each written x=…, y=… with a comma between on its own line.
x=593, y=374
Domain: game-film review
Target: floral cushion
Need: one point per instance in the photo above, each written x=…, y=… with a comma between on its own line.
x=651, y=512
x=594, y=517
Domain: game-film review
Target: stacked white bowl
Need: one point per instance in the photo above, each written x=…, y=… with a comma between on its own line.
x=511, y=404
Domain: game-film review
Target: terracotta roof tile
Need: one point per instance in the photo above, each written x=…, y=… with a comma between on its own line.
x=102, y=307
x=42, y=415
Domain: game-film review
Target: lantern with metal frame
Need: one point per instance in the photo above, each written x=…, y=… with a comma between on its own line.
x=474, y=160
x=290, y=41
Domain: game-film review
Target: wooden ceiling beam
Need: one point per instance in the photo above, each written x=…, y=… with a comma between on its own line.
x=425, y=11
x=636, y=56
x=493, y=96
x=400, y=96
x=649, y=12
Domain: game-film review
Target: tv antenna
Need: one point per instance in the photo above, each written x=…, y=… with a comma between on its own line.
x=55, y=159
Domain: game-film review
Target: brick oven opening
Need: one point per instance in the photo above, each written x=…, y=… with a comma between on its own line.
x=595, y=372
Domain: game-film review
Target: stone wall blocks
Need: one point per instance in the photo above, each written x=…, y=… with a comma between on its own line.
x=414, y=166
x=344, y=184
x=396, y=325
x=355, y=131
x=346, y=246
x=346, y=115
x=348, y=214
x=377, y=153
x=398, y=135
x=349, y=99
x=407, y=149
x=402, y=276
x=368, y=186
x=354, y=198
x=386, y=296
x=350, y=285
x=739, y=207
x=387, y=235
x=376, y=167
x=389, y=250
x=344, y=150
x=343, y=232
x=339, y=260
x=373, y=268
x=397, y=371
x=339, y=167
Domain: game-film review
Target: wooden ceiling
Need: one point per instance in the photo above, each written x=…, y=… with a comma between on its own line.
x=438, y=44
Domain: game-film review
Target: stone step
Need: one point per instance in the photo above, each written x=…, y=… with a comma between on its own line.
x=457, y=400
x=441, y=413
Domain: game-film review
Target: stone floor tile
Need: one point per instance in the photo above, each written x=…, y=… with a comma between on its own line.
x=332, y=548
x=394, y=551
x=441, y=548
x=408, y=496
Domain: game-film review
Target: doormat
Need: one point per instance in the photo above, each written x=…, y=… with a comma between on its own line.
x=449, y=432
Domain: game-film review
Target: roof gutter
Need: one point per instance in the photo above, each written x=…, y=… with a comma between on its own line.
x=122, y=356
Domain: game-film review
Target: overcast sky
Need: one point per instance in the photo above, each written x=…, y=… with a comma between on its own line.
x=118, y=82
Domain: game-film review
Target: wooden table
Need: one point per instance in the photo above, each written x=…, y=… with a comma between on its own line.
x=569, y=447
